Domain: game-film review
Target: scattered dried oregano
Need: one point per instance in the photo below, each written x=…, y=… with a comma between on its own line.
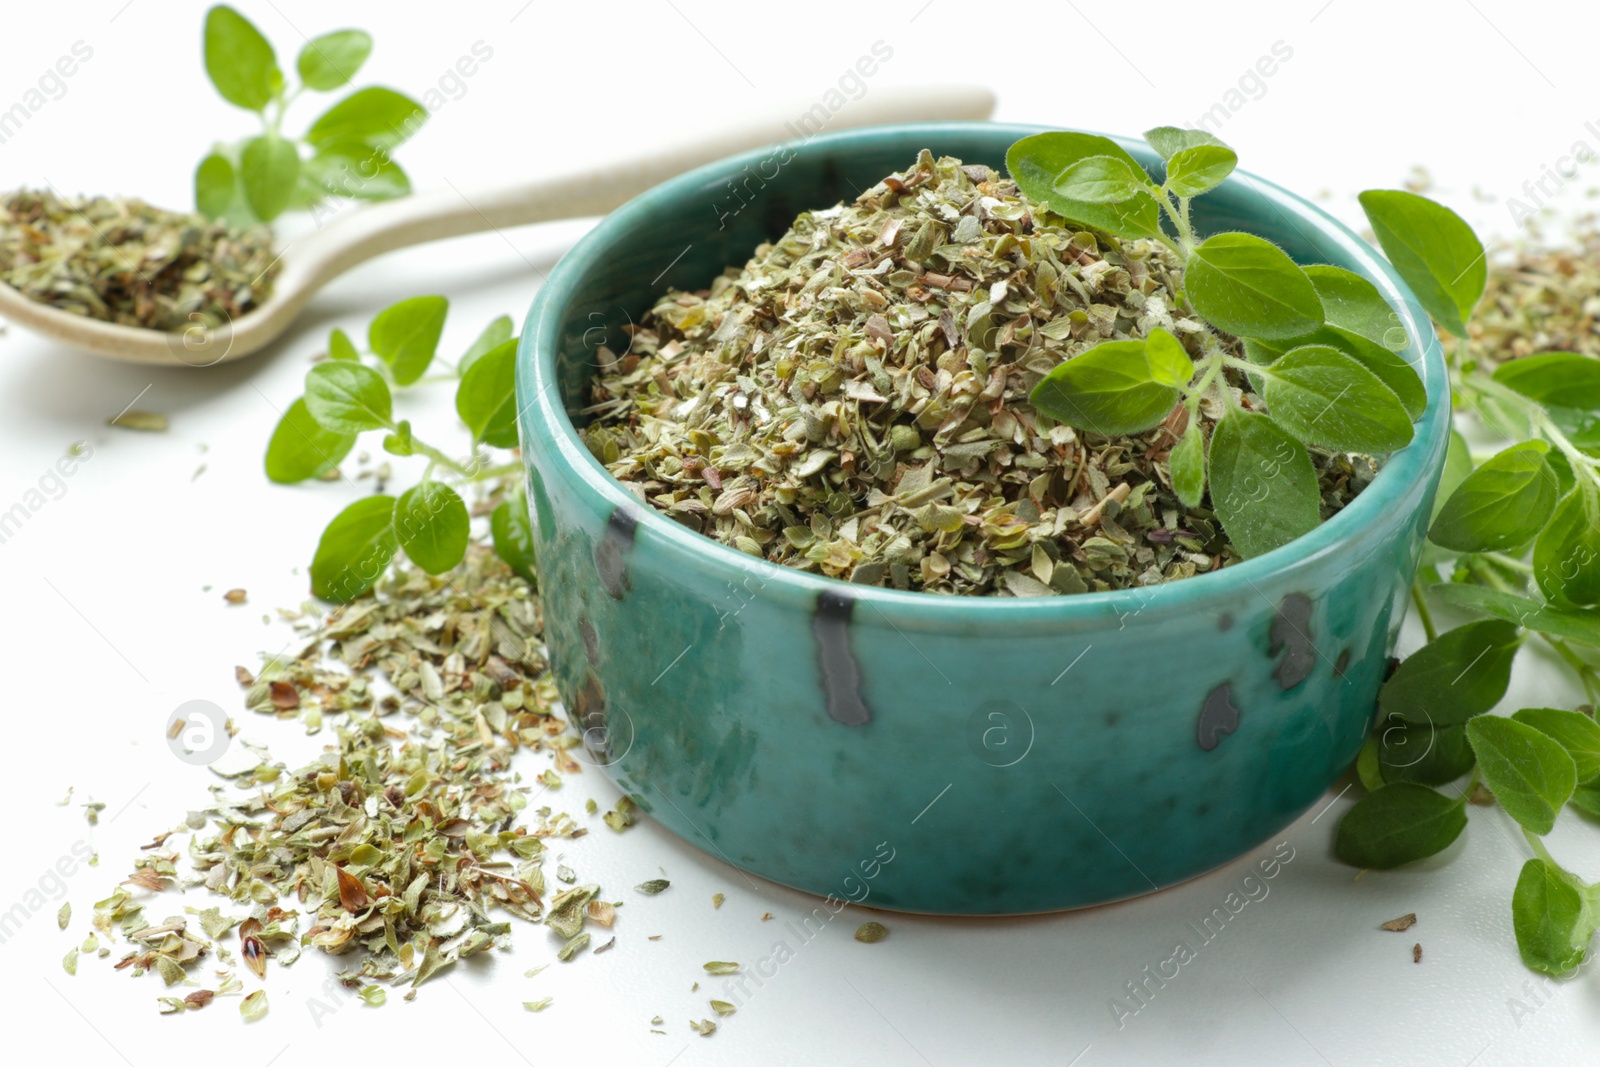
x=126, y=262
x=855, y=400
x=409, y=844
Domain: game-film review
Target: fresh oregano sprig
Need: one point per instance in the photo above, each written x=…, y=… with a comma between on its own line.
x=345, y=152
x=352, y=393
x=1515, y=544
x=1321, y=345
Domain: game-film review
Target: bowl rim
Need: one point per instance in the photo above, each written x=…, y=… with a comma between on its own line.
x=1365, y=517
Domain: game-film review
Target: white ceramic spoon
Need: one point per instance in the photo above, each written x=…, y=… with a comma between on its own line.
x=310, y=262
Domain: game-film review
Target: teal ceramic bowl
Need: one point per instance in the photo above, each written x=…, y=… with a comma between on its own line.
x=977, y=756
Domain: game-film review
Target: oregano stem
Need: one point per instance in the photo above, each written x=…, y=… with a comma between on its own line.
x=1424, y=615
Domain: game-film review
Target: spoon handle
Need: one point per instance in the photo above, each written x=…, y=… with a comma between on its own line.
x=317, y=258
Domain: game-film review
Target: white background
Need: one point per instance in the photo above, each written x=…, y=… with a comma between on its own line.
x=108, y=624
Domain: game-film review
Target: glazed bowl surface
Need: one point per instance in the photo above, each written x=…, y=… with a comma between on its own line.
x=960, y=755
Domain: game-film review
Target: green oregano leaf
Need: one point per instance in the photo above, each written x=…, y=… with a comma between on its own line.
x=1389, y=368
x=302, y=448
x=1263, y=486
x=432, y=525
x=1566, y=556
x=341, y=347
x=1199, y=169
x=1500, y=506
x=1112, y=388
x=1581, y=625
x=493, y=336
x=1437, y=253
x=1187, y=465
x=1353, y=304
x=1245, y=285
x=355, y=550
x=513, y=535
x=348, y=397
x=214, y=186
x=1561, y=379
x=1574, y=731
x=1396, y=825
x=1554, y=916
x=381, y=118
x=1035, y=162
x=1458, y=675
x=1321, y=395
x=406, y=335
x=486, y=398
x=1168, y=141
x=239, y=61
x=1423, y=752
x=269, y=167
x=1529, y=772
x=332, y=59
x=1102, y=180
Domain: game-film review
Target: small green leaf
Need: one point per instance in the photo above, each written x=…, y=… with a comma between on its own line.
x=513, y=535
x=1169, y=361
x=1102, y=180
x=303, y=448
x=1108, y=389
x=1396, y=825
x=1457, y=466
x=1367, y=766
x=239, y=61
x=355, y=549
x=374, y=995
x=1168, y=141
x=269, y=168
x=1575, y=731
x=493, y=336
x=1036, y=161
x=1199, y=169
x=376, y=116
x=406, y=335
x=400, y=443
x=432, y=525
x=331, y=60
x=486, y=398
x=1245, y=285
x=1581, y=625
x=1187, y=465
x=1586, y=798
x=1529, y=772
x=348, y=397
x=1390, y=369
x=356, y=170
x=1437, y=254
x=1422, y=752
x=1566, y=557
x=1554, y=918
x=1263, y=486
x=214, y=186
x=1321, y=395
x=341, y=347
x=1563, y=379
x=1500, y=506
x=1353, y=304
x=1458, y=675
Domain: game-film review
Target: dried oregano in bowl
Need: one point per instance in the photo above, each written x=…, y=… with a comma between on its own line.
x=859, y=399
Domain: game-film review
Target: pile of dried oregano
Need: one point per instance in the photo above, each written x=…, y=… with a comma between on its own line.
x=854, y=401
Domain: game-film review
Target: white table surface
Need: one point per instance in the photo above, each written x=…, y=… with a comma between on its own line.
x=108, y=627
